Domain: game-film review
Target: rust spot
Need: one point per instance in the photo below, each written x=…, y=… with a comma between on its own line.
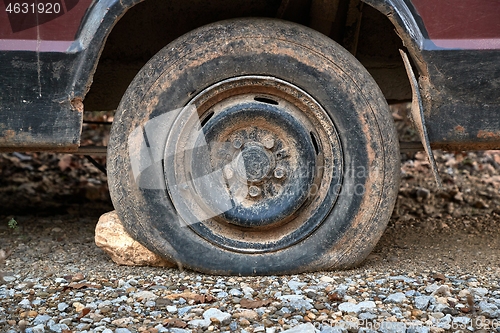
x=488, y=135
x=77, y=104
x=459, y=129
x=8, y=134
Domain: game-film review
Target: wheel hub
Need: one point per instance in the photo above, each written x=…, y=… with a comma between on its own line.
x=253, y=163
x=254, y=175
x=256, y=143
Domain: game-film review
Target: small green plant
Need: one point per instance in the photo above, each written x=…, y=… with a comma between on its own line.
x=12, y=224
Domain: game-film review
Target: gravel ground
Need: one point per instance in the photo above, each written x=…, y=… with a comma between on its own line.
x=436, y=268
x=63, y=283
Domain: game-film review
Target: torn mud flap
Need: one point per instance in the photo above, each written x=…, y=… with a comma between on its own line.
x=417, y=114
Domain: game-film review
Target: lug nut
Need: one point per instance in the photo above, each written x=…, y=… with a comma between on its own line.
x=253, y=191
x=269, y=143
x=279, y=173
x=237, y=143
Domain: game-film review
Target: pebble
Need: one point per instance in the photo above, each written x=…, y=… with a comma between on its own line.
x=25, y=304
x=481, y=292
x=443, y=290
x=396, y=298
x=66, y=321
x=248, y=314
x=326, y=279
x=171, y=308
x=294, y=285
x=121, y=322
x=201, y=323
x=421, y=302
x=489, y=310
x=244, y=322
x=422, y=193
x=145, y=296
x=217, y=315
x=62, y=306
x=57, y=328
x=36, y=329
x=349, y=307
x=78, y=306
x=302, y=328
x=182, y=311
x=9, y=279
x=41, y=319
x=235, y=292
x=431, y=288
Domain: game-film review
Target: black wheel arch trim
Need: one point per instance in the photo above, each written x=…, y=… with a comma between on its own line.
x=102, y=16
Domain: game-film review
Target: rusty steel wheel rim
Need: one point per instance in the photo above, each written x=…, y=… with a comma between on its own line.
x=253, y=164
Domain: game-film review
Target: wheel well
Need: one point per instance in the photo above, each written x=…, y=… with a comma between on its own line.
x=150, y=25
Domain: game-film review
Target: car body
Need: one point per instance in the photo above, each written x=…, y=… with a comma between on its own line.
x=47, y=68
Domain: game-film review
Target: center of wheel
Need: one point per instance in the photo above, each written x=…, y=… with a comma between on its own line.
x=257, y=176
x=253, y=163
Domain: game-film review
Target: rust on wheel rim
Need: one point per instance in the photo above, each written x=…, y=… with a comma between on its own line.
x=253, y=164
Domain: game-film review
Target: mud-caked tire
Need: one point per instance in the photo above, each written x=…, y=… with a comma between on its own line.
x=254, y=146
